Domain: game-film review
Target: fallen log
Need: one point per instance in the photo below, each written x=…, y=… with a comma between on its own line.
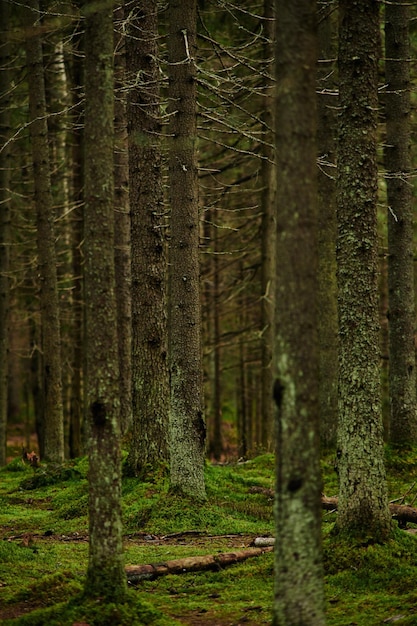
x=401, y=512
x=136, y=573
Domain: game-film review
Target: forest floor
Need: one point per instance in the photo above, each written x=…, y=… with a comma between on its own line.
x=44, y=550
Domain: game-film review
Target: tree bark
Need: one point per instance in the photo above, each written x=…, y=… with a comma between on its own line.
x=148, y=447
x=326, y=145
x=122, y=240
x=215, y=446
x=5, y=169
x=75, y=71
x=47, y=266
x=363, y=505
x=187, y=427
x=299, y=596
x=401, y=306
x=268, y=229
x=105, y=573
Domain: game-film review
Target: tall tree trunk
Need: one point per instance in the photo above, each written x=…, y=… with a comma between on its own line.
x=47, y=267
x=57, y=100
x=215, y=446
x=5, y=168
x=76, y=439
x=268, y=239
x=150, y=374
x=105, y=574
x=363, y=505
x=122, y=257
x=326, y=144
x=187, y=427
x=401, y=306
x=299, y=595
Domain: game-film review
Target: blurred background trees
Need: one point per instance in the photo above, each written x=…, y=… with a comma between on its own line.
x=234, y=149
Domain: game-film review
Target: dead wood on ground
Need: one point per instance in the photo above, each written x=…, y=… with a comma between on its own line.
x=401, y=512
x=136, y=573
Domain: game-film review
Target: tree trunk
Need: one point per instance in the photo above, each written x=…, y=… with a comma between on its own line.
x=76, y=439
x=215, y=447
x=268, y=229
x=5, y=168
x=326, y=144
x=47, y=266
x=122, y=251
x=187, y=427
x=150, y=375
x=57, y=100
x=363, y=508
x=401, y=307
x=299, y=596
x=105, y=574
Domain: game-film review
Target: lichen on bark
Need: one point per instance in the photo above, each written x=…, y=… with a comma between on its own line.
x=363, y=504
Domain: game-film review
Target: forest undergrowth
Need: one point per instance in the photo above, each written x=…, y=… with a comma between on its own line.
x=44, y=550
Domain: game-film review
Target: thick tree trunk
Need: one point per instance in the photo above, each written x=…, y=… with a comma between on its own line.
x=299, y=596
x=363, y=506
x=150, y=376
x=105, y=574
x=187, y=427
x=47, y=266
x=401, y=306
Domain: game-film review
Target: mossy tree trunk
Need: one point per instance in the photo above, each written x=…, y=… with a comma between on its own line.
x=401, y=306
x=299, y=596
x=105, y=575
x=47, y=266
x=326, y=145
x=150, y=375
x=187, y=427
x=363, y=505
x=5, y=169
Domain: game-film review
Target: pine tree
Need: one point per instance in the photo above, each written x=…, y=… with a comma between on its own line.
x=401, y=306
x=299, y=595
x=187, y=427
x=105, y=575
x=47, y=265
x=148, y=446
x=5, y=75
x=363, y=505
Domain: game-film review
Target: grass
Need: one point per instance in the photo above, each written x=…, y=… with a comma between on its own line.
x=44, y=551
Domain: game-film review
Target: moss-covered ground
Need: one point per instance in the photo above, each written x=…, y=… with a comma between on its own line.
x=44, y=549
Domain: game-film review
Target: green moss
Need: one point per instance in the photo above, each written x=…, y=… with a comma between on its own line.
x=46, y=476
x=17, y=465
x=132, y=612
x=365, y=584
